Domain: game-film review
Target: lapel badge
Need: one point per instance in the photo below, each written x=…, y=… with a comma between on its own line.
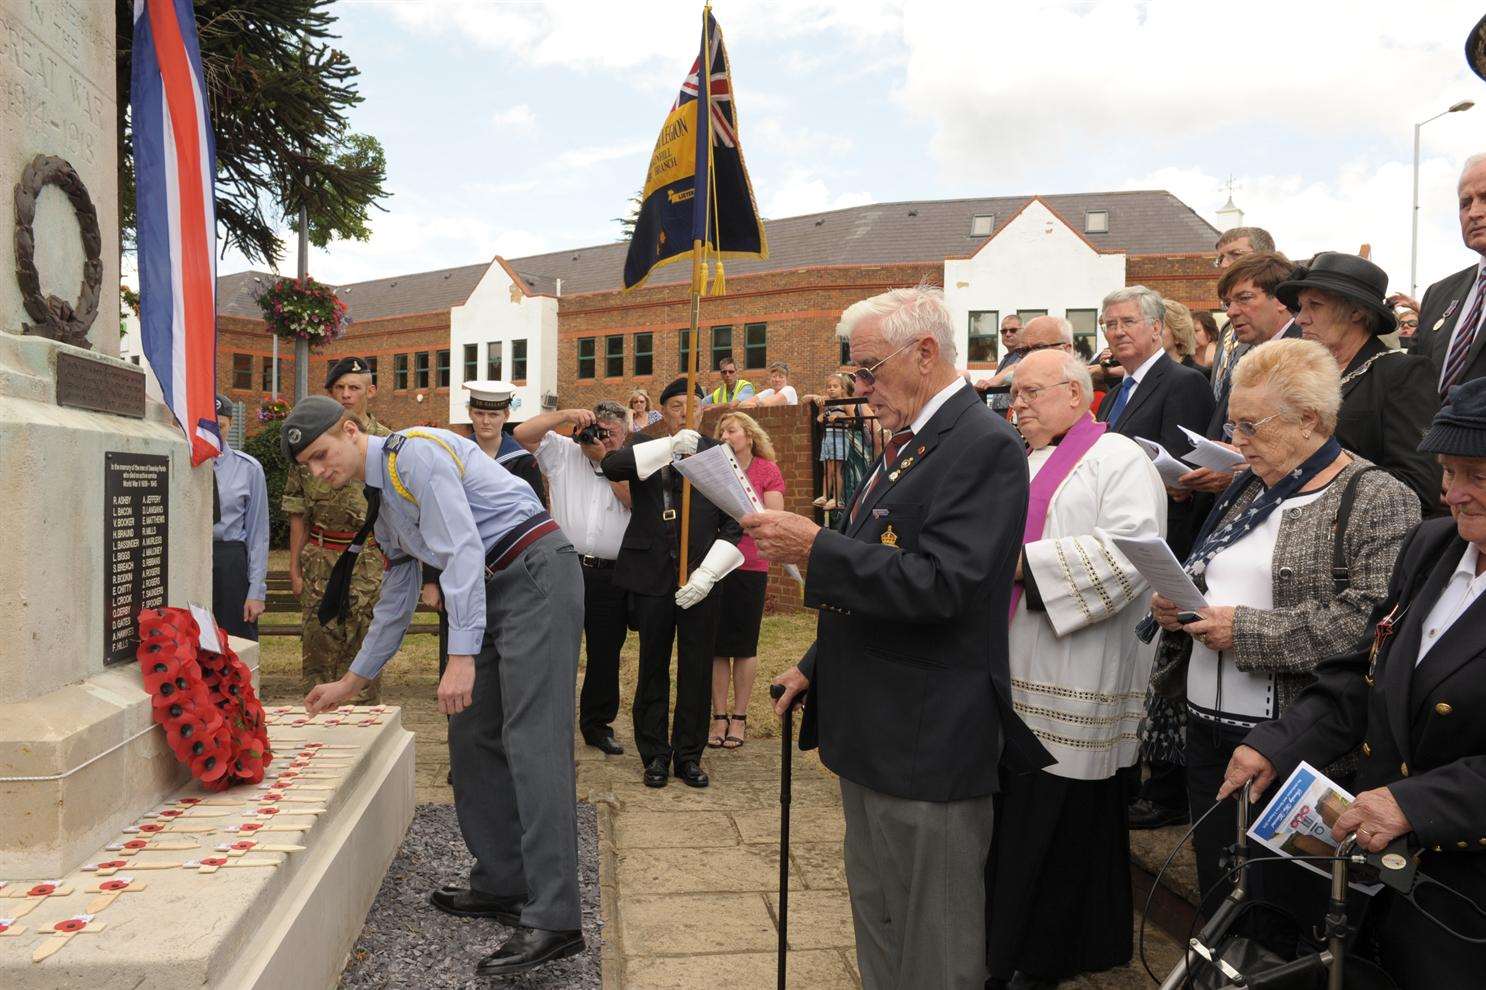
x=880, y=513
x=1439, y=323
x=888, y=538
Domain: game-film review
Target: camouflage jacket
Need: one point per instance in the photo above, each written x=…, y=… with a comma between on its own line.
x=343, y=509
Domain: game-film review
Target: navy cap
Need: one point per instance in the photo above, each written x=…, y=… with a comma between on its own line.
x=310, y=417
x=678, y=387
x=346, y=366
x=1460, y=427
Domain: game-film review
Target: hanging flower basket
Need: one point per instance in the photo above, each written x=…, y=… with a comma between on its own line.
x=272, y=410
x=303, y=309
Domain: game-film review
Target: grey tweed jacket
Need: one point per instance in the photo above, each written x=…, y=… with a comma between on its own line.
x=1310, y=621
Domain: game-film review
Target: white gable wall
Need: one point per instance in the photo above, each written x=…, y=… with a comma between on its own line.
x=1034, y=262
x=495, y=316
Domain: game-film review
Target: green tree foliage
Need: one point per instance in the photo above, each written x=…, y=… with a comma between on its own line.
x=627, y=222
x=279, y=95
x=264, y=445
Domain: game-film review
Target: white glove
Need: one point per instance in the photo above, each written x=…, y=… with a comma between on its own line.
x=652, y=455
x=722, y=560
x=685, y=442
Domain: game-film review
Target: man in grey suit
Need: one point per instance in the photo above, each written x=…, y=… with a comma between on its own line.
x=909, y=687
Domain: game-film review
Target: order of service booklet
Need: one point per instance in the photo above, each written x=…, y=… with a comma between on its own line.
x=1298, y=821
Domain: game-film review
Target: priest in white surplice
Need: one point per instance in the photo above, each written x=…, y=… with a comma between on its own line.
x=1058, y=882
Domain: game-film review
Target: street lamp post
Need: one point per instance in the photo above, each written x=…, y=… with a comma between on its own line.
x=1414, y=243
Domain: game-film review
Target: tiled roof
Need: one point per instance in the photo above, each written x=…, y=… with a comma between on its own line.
x=1140, y=222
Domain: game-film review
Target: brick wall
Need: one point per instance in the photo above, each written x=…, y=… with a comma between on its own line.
x=1190, y=279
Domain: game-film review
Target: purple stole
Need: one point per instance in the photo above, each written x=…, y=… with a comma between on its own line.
x=1075, y=444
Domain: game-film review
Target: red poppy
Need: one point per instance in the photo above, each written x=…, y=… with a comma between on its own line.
x=70, y=925
x=113, y=864
x=151, y=827
x=4, y=928
x=214, y=861
x=250, y=826
x=272, y=796
x=42, y=890
x=137, y=844
x=210, y=765
x=268, y=811
x=189, y=801
x=244, y=844
x=108, y=885
x=170, y=813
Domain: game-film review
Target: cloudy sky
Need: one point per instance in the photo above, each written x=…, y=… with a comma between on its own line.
x=514, y=128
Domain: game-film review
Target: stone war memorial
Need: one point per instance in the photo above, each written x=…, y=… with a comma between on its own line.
x=116, y=867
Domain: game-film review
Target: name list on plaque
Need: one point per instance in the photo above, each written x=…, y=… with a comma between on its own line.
x=135, y=525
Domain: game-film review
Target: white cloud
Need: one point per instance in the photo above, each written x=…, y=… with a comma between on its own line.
x=596, y=154
x=802, y=191
x=519, y=115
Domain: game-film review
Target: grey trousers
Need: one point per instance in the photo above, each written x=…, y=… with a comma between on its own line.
x=916, y=874
x=511, y=751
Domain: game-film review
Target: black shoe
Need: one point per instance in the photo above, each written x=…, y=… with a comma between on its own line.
x=657, y=772
x=604, y=743
x=690, y=773
x=529, y=948
x=1146, y=814
x=465, y=903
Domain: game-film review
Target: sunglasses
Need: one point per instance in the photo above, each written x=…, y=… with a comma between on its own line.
x=866, y=376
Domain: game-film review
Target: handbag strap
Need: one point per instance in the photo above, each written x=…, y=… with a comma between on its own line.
x=1341, y=575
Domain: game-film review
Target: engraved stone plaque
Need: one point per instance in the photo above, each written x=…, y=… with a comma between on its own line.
x=136, y=501
x=100, y=386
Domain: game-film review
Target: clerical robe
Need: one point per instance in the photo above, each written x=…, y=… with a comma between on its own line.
x=1079, y=673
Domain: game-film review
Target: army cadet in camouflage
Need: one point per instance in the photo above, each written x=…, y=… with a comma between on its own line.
x=322, y=522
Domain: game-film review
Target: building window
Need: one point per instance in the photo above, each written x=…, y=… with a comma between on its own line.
x=1085, y=328
x=400, y=371
x=242, y=371
x=441, y=369
x=587, y=357
x=1096, y=221
x=984, y=329
x=982, y=224
x=755, y=345
x=266, y=380
x=644, y=353
x=845, y=350
x=1029, y=314
x=614, y=356
x=722, y=344
x=492, y=360
x=471, y=362
x=420, y=369
x=518, y=361
x=685, y=355
x=371, y=363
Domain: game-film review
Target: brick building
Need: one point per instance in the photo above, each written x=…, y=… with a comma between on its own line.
x=561, y=328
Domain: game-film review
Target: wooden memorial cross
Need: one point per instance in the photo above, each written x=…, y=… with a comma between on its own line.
x=131, y=847
x=111, y=890
x=33, y=895
x=211, y=864
x=155, y=828
x=109, y=867
x=62, y=933
x=9, y=929
x=248, y=828
x=242, y=846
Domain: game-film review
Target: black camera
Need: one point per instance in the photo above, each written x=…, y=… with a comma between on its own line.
x=593, y=433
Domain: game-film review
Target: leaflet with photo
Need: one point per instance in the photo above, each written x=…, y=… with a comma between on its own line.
x=1298, y=820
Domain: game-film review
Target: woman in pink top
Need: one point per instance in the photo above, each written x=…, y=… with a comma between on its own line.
x=735, y=656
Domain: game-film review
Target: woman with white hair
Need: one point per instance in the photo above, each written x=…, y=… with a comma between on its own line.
x=1292, y=559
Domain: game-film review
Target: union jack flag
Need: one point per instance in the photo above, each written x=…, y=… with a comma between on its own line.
x=174, y=179
x=721, y=84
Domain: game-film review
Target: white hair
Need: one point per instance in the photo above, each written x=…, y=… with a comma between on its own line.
x=1075, y=370
x=1065, y=329
x=1152, y=308
x=1472, y=162
x=905, y=315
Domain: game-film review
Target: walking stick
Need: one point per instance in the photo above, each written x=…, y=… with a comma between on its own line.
x=776, y=691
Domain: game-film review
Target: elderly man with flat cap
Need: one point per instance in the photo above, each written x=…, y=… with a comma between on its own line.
x=1413, y=701
x=322, y=521
x=239, y=535
x=514, y=597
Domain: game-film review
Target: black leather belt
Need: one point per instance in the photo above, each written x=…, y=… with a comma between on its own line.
x=597, y=563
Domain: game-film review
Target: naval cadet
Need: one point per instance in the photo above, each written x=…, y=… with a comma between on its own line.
x=322, y=521
x=514, y=598
x=490, y=405
x=239, y=535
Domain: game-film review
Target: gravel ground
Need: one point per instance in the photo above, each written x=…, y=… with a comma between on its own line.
x=407, y=943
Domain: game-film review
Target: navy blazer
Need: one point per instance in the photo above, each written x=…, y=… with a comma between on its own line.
x=1440, y=310
x=910, y=692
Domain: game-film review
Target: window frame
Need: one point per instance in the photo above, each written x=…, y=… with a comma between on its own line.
x=610, y=356
x=266, y=378
x=518, y=362
x=588, y=364
x=1089, y=216
x=494, y=366
x=400, y=377
x=971, y=337
x=975, y=222
x=471, y=363
x=648, y=354
x=441, y=369
x=242, y=372
x=421, y=367
x=713, y=355
x=762, y=347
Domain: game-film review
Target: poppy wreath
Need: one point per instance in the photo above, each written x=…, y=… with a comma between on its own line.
x=204, y=701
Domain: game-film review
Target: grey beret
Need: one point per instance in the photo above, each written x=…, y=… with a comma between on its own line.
x=224, y=406
x=309, y=418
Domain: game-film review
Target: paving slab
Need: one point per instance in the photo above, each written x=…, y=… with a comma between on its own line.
x=723, y=869
x=807, y=823
x=819, y=864
x=695, y=924
x=818, y=919
x=741, y=796
x=820, y=969
x=674, y=830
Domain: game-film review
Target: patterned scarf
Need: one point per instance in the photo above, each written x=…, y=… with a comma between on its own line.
x=1213, y=539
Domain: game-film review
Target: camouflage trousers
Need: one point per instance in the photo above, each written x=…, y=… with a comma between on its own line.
x=326, y=652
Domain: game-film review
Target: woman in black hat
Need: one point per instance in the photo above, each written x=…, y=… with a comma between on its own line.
x=1388, y=396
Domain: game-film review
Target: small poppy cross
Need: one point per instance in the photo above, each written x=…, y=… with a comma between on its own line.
x=111, y=890
x=34, y=895
x=62, y=932
x=242, y=846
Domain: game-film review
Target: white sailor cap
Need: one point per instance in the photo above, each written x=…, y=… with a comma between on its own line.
x=491, y=393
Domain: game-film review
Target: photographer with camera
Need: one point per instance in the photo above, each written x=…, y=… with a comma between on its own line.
x=593, y=511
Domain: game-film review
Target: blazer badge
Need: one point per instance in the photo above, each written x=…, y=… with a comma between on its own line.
x=888, y=538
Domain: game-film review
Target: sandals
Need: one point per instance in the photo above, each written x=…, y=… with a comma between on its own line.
x=715, y=742
x=736, y=741
x=820, y=503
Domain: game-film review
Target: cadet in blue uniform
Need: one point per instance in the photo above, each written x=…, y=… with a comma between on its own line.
x=239, y=535
x=514, y=596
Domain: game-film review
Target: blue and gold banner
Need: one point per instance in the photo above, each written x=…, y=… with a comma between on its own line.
x=697, y=187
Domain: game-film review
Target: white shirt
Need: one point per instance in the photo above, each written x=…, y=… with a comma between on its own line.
x=1465, y=308
x=1140, y=373
x=791, y=396
x=583, y=503
x=1243, y=574
x=1460, y=593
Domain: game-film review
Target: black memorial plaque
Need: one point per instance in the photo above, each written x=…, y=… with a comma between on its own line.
x=136, y=501
x=85, y=383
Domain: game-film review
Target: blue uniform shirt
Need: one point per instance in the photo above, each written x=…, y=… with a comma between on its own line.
x=243, y=494
x=465, y=502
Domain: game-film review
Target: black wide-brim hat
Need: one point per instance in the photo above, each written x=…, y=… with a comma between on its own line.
x=1355, y=279
x=1475, y=48
x=1459, y=428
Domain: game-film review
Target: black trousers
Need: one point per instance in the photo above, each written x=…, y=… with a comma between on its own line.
x=230, y=587
x=605, y=626
x=1167, y=784
x=693, y=630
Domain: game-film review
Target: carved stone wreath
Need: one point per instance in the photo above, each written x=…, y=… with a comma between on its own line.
x=55, y=318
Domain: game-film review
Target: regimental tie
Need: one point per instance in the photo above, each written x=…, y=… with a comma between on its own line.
x=1465, y=337
x=889, y=456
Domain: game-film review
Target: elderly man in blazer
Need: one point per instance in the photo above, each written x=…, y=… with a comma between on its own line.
x=909, y=695
x=1413, y=702
x=1450, y=317
x=1157, y=396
